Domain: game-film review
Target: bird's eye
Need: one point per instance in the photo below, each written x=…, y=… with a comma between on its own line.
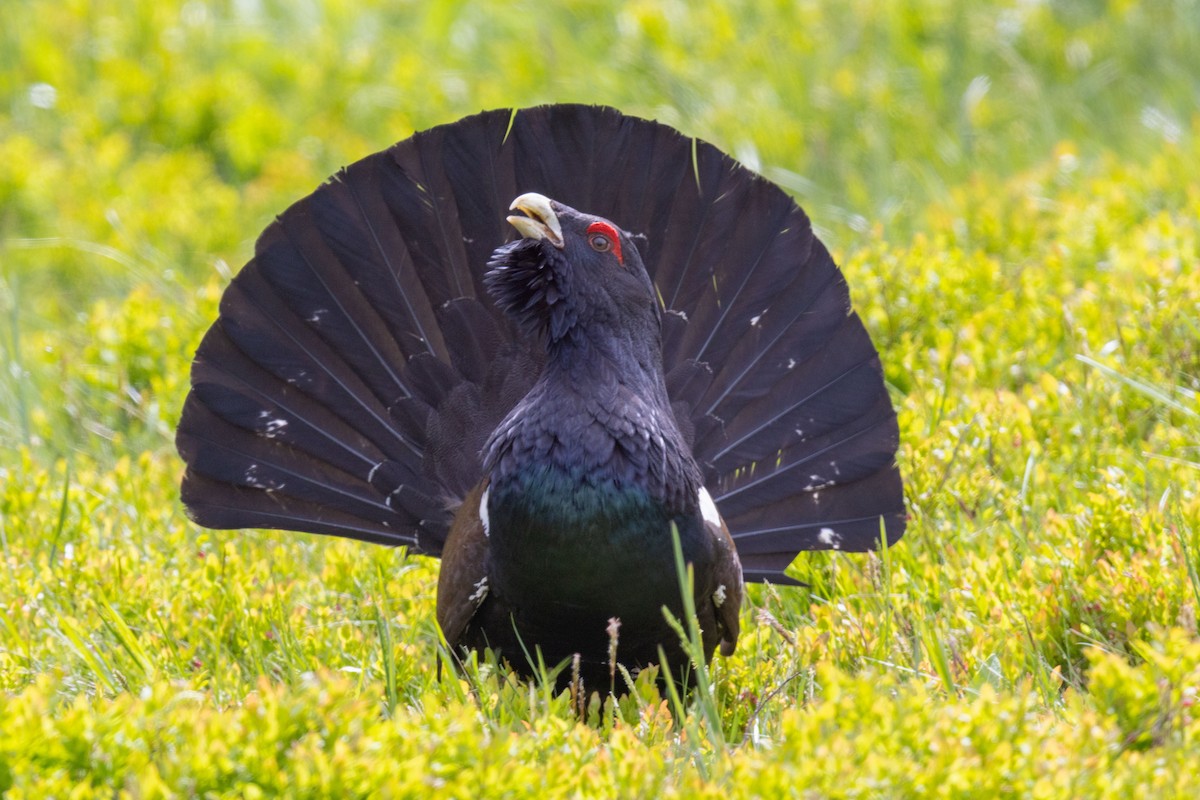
x=603, y=238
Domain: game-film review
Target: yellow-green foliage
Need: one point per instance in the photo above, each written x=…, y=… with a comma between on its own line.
x=1013, y=192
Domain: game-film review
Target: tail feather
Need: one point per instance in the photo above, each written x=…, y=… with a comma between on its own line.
x=800, y=322
x=427, y=199
x=359, y=364
x=812, y=388
x=821, y=399
x=262, y=327
x=839, y=485
x=472, y=337
x=334, y=303
x=550, y=153
x=688, y=234
x=243, y=394
x=850, y=451
x=241, y=507
x=739, y=258
x=239, y=457
x=475, y=156
x=839, y=517
x=361, y=232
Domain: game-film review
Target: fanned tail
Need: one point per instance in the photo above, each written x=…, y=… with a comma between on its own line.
x=358, y=364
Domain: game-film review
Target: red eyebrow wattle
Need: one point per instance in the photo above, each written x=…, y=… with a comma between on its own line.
x=608, y=230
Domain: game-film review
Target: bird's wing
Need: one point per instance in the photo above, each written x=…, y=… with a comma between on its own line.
x=462, y=579
x=728, y=589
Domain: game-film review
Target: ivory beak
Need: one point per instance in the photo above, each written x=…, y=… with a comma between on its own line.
x=539, y=222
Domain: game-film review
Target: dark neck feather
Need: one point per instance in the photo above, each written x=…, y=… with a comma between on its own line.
x=600, y=413
x=591, y=355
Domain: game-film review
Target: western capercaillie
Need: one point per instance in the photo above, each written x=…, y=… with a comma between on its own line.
x=663, y=344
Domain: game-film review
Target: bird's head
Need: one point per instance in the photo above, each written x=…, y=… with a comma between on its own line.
x=571, y=273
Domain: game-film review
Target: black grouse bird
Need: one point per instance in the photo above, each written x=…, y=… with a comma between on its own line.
x=678, y=353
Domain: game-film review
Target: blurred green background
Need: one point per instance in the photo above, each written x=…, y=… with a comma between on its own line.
x=1013, y=190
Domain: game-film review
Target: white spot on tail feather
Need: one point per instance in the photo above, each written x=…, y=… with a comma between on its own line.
x=481, y=590
x=274, y=427
x=250, y=478
x=719, y=596
x=708, y=509
x=830, y=538
x=254, y=478
x=483, y=514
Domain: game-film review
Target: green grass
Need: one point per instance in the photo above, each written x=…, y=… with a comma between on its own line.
x=1013, y=193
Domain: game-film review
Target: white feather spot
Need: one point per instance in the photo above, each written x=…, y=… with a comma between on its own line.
x=255, y=480
x=719, y=596
x=481, y=590
x=317, y=315
x=251, y=477
x=708, y=509
x=791, y=363
x=483, y=514
x=830, y=538
x=274, y=427
x=374, y=469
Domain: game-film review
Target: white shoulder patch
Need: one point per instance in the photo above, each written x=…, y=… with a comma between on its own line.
x=483, y=515
x=708, y=509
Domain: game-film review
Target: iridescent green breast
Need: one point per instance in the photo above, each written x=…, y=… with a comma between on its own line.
x=569, y=548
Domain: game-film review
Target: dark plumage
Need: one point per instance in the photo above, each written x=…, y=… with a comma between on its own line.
x=539, y=413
